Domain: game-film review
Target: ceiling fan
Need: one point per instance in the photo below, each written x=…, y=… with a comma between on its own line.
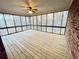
x=31, y=10
x=29, y=7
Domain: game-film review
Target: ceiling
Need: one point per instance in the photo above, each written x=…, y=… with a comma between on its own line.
x=43, y=6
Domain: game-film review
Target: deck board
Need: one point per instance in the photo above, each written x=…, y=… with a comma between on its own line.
x=35, y=45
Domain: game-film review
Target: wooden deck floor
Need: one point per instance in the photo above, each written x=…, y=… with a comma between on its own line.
x=35, y=45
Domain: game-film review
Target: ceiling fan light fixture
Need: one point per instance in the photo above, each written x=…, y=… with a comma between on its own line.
x=30, y=12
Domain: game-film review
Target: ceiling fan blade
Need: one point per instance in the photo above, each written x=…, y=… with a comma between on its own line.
x=35, y=9
x=25, y=8
x=21, y=6
x=35, y=6
x=27, y=2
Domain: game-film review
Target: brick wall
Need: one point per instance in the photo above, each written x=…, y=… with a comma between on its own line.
x=72, y=31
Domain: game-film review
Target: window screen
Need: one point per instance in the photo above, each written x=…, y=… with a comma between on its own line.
x=31, y=18
x=32, y=22
x=28, y=21
x=17, y=20
x=43, y=19
x=24, y=28
x=56, y=30
x=50, y=19
x=49, y=29
x=35, y=20
x=11, y=30
x=44, y=29
x=2, y=22
x=3, y=31
x=57, y=18
x=65, y=13
x=62, y=30
x=23, y=20
x=53, y=22
x=39, y=19
x=9, y=20
x=39, y=28
x=19, y=29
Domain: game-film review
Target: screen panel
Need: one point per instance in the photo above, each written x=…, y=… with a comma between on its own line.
x=28, y=21
x=43, y=19
x=39, y=28
x=24, y=28
x=17, y=20
x=39, y=19
x=56, y=30
x=50, y=19
x=32, y=22
x=32, y=27
x=49, y=29
x=28, y=27
x=62, y=30
x=35, y=27
x=11, y=30
x=57, y=18
x=65, y=14
x=19, y=29
x=44, y=29
x=31, y=18
x=23, y=20
x=35, y=20
x=3, y=31
x=9, y=20
x=2, y=22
